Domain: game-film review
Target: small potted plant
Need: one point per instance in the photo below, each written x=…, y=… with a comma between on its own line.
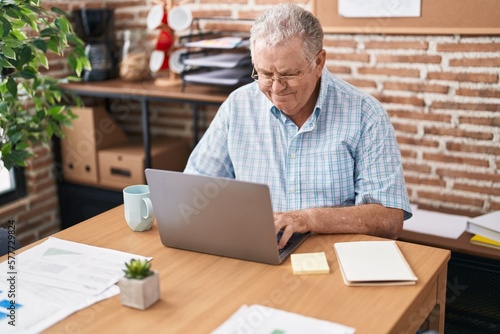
x=140, y=287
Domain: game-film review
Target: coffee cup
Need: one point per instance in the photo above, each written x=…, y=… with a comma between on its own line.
x=138, y=208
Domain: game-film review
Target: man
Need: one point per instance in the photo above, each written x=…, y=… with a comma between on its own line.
x=326, y=150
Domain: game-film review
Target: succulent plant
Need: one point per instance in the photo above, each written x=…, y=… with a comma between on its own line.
x=138, y=269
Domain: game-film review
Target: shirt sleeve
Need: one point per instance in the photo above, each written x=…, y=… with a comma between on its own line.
x=211, y=156
x=378, y=172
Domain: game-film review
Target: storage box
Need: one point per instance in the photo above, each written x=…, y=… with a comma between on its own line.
x=123, y=165
x=94, y=129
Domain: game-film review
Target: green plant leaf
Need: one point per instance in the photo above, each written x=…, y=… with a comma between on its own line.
x=12, y=87
x=59, y=11
x=40, y=44
x=24, y=56
x=8, y=52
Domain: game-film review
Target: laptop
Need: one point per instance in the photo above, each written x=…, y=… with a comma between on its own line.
x=218, y=216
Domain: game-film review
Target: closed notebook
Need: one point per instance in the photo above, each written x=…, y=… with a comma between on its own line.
x=371, y=263
x=487, y=225
x=483, y=241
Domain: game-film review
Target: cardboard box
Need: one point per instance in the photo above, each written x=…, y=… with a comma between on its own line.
x=123, y=165
x=94, y=129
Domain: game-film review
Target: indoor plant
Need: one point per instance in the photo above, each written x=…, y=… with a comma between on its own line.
x=33, y=106
x=140, y=287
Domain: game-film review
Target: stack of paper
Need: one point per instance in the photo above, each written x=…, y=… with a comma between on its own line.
x=225, y=77
x=55, y=279
x=219, y=43
x=222, y=60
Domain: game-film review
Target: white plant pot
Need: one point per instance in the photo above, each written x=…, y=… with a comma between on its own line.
x=140, y=293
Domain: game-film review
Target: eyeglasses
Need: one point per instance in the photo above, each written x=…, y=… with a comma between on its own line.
x=290, y=80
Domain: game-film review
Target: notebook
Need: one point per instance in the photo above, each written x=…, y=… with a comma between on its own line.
x=218, y=216
x=373, y=263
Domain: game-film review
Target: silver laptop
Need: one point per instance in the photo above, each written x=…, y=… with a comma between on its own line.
x=216, y=216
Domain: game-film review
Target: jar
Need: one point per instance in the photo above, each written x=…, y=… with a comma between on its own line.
x=134, y=63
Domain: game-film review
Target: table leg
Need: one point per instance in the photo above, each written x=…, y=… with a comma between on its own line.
x=146, y=136
x=437, y=315
x=195, y=123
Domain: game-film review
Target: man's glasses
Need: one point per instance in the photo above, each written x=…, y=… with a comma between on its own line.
x=289, y=80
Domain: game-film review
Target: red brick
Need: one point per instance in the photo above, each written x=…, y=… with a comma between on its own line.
x=493, y=121
x=425, y=180
x=465, y=106
x=463, y=77
x=477, y=189
x=444, y=172
x=211, y=13
x=408, y=59
x=411, y=100
x=416, y=87
x=407, y=128
x=415, y=115
x=417, y=142
x=397, y=45
x=397, y=72
x=458, y=133
x=339, y=69
x=487, y=93
x=337, y=43
x=415, y=167
x=446, y=197
x=480, y=62
x=407, y=153
x=451, y=211
x=495, y=205
x=468, y=47
x=456, y=160
x=361, y=83
x=361, y=57
x=458, y=147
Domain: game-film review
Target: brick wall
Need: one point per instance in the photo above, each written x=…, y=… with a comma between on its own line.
x=441, y=92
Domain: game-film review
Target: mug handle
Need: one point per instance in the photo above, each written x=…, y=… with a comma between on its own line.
x=149, y=208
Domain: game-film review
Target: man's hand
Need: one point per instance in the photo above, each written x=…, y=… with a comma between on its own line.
x=290, y=222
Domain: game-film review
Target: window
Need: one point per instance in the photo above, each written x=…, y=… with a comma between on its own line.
x=12, y=185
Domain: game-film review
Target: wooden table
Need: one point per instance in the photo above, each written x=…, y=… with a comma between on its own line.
x=200, y=291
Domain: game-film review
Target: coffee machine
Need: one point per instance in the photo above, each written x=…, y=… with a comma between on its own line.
x=96, y=28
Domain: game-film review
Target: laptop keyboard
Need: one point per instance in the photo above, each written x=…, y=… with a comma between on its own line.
x=278, y=237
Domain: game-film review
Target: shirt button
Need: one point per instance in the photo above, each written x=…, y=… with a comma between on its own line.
x=292, y=190
x=292, y=155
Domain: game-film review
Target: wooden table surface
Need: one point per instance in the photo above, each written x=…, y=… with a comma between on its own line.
x=200, y=291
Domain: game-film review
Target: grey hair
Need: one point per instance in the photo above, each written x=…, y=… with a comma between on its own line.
x=284, y=22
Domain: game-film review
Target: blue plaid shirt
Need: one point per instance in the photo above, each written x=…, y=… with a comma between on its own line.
x=345, y=154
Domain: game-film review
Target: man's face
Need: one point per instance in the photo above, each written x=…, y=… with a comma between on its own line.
x=294, y=96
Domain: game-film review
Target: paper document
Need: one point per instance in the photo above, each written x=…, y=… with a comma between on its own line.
x=222, y=60
x=436, y=223
x=379, y=8
x=259, y=319
x=219, y=43
x=54, y=279
x=73, y=266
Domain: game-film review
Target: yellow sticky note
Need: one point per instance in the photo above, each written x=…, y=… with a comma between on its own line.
x=310, y=263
